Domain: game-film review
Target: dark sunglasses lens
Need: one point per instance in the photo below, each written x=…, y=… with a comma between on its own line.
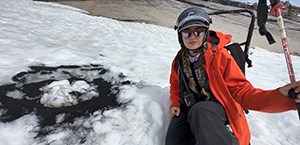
x=198, y=33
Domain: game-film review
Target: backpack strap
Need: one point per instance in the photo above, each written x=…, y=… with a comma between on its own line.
x=181, y=73
x=177, y=62
x=238, y=55
x=262, y=16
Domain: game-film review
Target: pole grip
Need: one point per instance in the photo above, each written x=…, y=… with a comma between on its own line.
x=274, y=2
x=293, y=95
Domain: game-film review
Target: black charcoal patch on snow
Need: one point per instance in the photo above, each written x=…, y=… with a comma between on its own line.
x=27, y=87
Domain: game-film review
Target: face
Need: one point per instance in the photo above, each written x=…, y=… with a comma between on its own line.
x=193, y=37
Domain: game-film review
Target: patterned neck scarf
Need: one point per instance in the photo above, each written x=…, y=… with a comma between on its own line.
x=186, y=61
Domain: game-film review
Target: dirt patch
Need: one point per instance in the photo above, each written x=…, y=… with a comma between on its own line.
x=23, y=96
x=165, y=12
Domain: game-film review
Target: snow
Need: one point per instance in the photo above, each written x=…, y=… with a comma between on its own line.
x=38, y=33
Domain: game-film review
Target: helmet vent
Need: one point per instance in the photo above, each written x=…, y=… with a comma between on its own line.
x=191, y=13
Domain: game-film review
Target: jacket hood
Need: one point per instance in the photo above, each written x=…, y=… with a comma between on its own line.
x=218, y=40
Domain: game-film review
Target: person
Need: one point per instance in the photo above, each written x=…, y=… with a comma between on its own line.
x=208, y=91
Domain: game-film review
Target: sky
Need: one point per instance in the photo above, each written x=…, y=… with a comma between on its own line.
x=47, y=34
x=293, y=2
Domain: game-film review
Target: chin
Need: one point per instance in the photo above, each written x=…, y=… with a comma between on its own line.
x=194, y=47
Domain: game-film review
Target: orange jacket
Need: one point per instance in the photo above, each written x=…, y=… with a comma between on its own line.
x=230, y=87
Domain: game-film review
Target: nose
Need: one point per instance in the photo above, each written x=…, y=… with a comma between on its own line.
x=194, y=34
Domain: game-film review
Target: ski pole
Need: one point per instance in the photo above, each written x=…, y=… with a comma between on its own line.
x=276, y=10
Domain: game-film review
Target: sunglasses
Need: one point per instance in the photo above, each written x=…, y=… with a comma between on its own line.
x=188, y=33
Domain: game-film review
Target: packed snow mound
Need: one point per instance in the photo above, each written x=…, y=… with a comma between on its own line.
x=62, y=93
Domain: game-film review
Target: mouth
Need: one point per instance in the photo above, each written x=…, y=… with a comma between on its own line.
x=193, y=42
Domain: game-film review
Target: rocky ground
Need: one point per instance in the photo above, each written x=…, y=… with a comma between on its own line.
x=165, y=12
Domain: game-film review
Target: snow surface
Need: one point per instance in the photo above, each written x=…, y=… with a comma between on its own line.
x=34, y=33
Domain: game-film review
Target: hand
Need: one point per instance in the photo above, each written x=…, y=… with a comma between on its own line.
x=285, y=90
x=175, y=111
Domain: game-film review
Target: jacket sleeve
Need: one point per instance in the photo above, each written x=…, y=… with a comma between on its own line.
x=174, y=87
x=271, y=101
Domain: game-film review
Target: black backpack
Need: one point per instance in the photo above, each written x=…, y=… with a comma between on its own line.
x=238, y=54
